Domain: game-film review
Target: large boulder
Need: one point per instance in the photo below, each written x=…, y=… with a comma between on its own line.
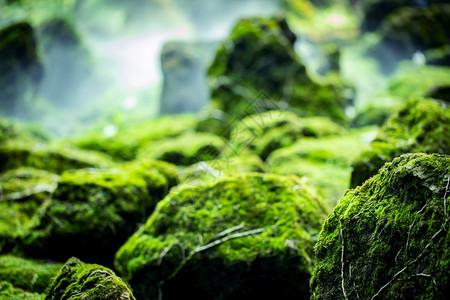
x=20, y=67
x=79, y=281
x=243, y=237
x=257, y=69
x=92, y=212
x=389, y=238
x=421, y=126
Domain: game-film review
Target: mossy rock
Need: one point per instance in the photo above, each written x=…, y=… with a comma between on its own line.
x=258, y=63
x=8, y=291
x=247, y=236
x=265, y=132
x=373, y=114
x=92, y=212
x=22, y=191
x=326, y=161
x=389, y=237
x=125, y=144
x=29, y=275
x=20, y=67
x=78, y=281
x=185, y=149
x=54, y=158
x=441, y=92
x=421, y=126
x=12, y=130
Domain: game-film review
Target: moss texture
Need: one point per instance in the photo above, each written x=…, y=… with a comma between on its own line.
x=242, y=237
x=257, y=63
x=10, y=292
x=265, y=132
x=29, y=275
x=389, y=238
x=185, y=149
x=78, y=281
x=11, y=130
x=125, y=144
x=53, y=158
x=421, y=126
x=92, y=212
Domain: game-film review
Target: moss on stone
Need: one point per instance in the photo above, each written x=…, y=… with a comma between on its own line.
x=242, y=237
x=29, y=275
x=8, y=291
x=185, y=149
x=53, y=158
x=11, y=130
x=125, y=144
x=389, y=237
x=78, y=281
x=92, y=212
x=420, y=126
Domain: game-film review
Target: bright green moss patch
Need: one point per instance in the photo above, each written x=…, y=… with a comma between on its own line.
x=29, y=275
x=242, y=237
x=8, y=291
x=421, y=126
x=80, y=281
x=325, y=161
x=389, y=237
x=185, y=149
x=53, y=158
x=125, y=144
x=92, y=211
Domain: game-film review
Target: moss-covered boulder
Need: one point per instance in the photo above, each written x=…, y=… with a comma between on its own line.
x=22, y=191
x=12, y=130
x=243, y=237
x=29, y=275
x=20, y=66
x=92, y=212
x=8, y=291
x=265, y=132
x=54, y=158
x=185, y=149
x=78, y=281
x=389, y=238
x=326, y=161
x=257, y=63
x=421, y=126
x=125, y=144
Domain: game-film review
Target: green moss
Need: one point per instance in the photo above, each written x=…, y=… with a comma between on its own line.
x=420, y=126
x=92, y=211
x=185, y=149
x=78, y=280
x=10, y=129
x=268, y=131
x=8, y=291
x=257, y=63
x=325, y=161
x=53, y=158
x=29, y=275
x=246, y=236
x=389, y=237
x=125, y=144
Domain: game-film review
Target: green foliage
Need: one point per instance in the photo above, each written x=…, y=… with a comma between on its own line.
x=420, y=126
x=29, y=275
x=246, y=236
x=92, y=212
x=389, y=237
x=80, y=281
x=8, y=291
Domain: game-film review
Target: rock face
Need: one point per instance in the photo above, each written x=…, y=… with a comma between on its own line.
x=421, y=126
x=78, y=280
x=389, y=237
x=92, y=212
x=257, y=69
x=20, y=66
x=244, y=237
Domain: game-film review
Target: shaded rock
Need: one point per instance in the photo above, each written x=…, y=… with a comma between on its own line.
x=186, y=149
x=92, y=212
x=243, y=237
x=440, y=92
x=389, y=237
x=29, y=275
x=78, y=280
x=421, y=126
x=20, y=67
